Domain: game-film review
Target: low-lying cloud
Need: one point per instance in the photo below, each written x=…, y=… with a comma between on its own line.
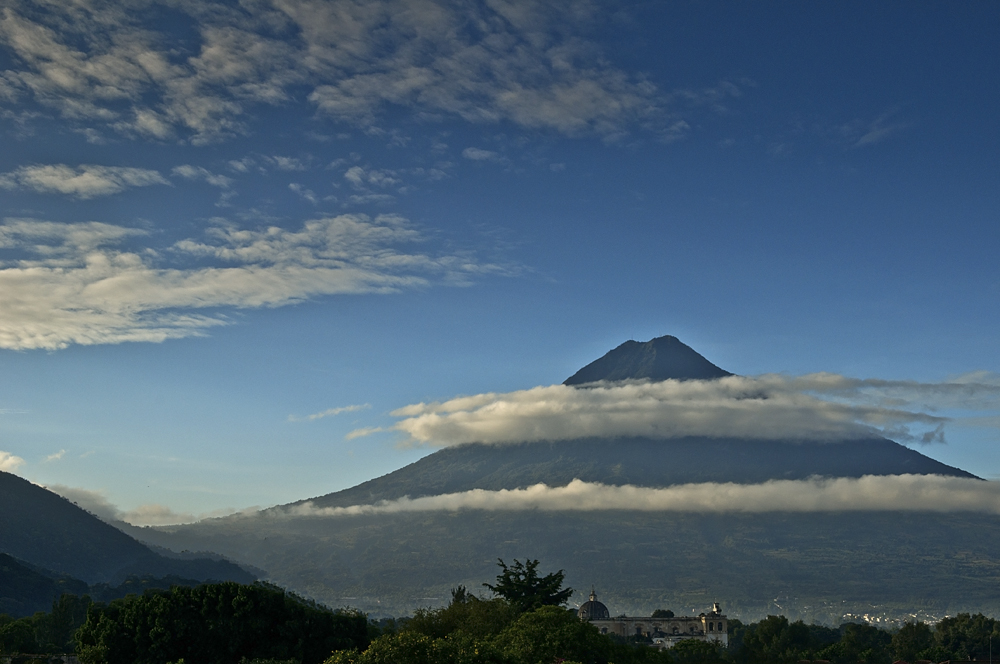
x=74, y=285
x=97, y=503
x=911, y=493
x=10, y=463
x=817, y=407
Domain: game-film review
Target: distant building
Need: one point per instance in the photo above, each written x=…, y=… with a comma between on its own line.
x=665, y=632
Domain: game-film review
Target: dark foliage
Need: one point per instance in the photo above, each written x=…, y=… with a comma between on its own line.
x=520, y=585
x=220, y=623
x=45, y=633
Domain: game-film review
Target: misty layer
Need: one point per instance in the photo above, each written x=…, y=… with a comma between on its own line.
x=820, y=407
x=914, y=493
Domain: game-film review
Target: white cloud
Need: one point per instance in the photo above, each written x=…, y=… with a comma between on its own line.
x=288, y=163
x=10, y=463
x=911, y=493
x=304, y=193
x=478, y=154
x=522, y=62
x=97, y=503
x=84, y=181
x=78, y=288
x=189, y=172
x=361, y=178
x=156, y=515
x=814, y=407
x=330, y=412
x=56, y=456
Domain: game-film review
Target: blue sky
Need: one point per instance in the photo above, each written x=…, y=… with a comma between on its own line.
x=221, y=219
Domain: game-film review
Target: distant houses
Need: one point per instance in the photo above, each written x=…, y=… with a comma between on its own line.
x=665, y=631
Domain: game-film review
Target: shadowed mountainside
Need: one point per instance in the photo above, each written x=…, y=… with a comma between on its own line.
x=25, y=590
x=638, y=461
x=49, y=531
x=661, y=358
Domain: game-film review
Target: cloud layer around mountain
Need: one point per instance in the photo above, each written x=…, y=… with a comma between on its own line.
x=98, y=504
x=814, y=407
x=917, y=493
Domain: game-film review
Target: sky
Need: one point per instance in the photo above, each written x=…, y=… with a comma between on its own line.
x=255, y=252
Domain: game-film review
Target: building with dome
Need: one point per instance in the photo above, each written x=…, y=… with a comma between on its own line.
x=665, y=632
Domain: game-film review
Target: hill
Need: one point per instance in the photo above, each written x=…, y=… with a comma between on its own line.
x=50, y=532
x=25, y=589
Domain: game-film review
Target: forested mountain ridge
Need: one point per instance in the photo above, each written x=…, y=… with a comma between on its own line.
x=49, y=531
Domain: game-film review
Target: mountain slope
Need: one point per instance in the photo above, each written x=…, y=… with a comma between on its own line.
x=820, y=565
x=639, y=461
x=24, y=590
x=661, y=358
x=47, y=530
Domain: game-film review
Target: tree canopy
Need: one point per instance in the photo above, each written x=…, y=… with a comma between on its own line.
x=520, y=584
x=221, y=623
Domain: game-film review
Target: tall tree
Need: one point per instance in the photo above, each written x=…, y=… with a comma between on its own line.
x=520, y=585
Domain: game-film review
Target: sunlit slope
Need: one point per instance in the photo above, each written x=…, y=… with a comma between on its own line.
x=47, y=530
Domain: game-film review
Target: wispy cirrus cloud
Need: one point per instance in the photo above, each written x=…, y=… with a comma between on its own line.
x=871, y=493
x=816, y=407
x=84, y=181
x=73, y=285
x=189, y=172
x=330, y=412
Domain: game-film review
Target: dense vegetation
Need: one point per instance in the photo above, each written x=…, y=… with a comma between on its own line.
x=221, y=623
x=524, y=623
x=472, y=630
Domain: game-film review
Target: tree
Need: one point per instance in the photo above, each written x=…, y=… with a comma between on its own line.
x=911, y=640
x=865, y=643
x=520, y=585
x=551, y=634
x=967, y=636
x=220, y=623
x=694, y=651
x=776, y=641
x=663, y=613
